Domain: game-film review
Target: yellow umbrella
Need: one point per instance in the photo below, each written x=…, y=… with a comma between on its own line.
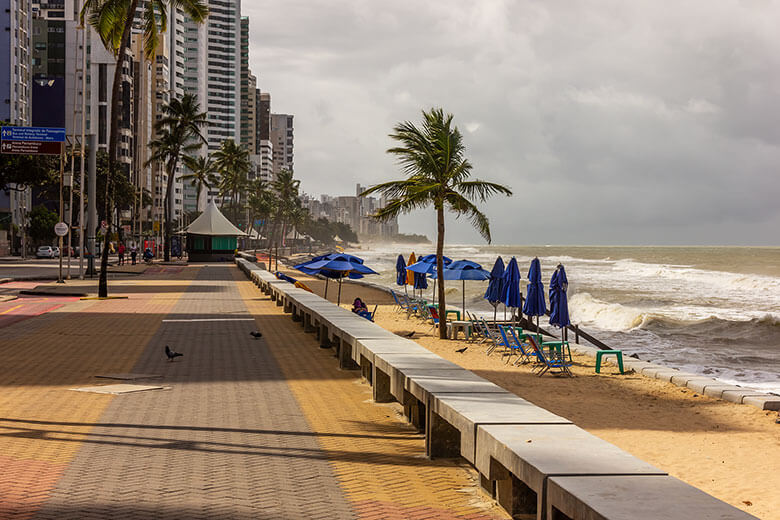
x=410, y=274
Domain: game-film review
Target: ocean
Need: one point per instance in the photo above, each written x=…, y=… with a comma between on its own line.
x=707, y=310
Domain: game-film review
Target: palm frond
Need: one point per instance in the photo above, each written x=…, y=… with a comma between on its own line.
x=481, y=189
x=461, y=206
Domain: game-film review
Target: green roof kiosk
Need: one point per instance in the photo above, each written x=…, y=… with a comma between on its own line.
x=212, y=237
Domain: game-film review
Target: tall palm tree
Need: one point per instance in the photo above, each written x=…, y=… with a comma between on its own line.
x=433, y=158
x=287, y=190
x=113, y=21
x=202, y=169
x=178, y=133
x=262, y=202
x=232, y=162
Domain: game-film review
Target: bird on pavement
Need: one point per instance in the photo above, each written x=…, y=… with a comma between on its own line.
x=256, y=334
x=461, y=350
x=171, y=354
x=410, y=334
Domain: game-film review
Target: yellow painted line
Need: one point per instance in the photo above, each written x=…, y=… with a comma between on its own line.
x=12, y=308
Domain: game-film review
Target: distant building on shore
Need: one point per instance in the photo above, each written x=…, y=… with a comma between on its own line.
x=355, y=211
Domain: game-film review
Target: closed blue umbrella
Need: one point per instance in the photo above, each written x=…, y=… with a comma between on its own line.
x=559, y=304
x=534, y=301
x=510, y=293
x=493, y=292
x=420, y=281
x=464, y=270
x=400, y=270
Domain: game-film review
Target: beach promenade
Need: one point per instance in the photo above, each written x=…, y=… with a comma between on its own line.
x=242, y=428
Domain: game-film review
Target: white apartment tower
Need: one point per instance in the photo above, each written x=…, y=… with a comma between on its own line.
x=281, y=137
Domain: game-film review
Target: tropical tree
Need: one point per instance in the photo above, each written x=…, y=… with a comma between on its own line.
x=113, y=21
x=232, y=162
x=178, y=133
x=433, y=158
x=287, y=190
x=262, y=203
x=203, y=170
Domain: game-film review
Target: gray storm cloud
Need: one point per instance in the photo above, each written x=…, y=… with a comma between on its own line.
x=614, y=122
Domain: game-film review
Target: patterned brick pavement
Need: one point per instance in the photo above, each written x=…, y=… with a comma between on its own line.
x=248, y=429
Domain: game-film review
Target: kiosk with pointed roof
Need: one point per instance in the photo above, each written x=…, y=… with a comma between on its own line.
x=212, y=237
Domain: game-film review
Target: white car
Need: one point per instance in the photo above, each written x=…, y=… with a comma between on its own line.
x=56, y=251
x=45, y=252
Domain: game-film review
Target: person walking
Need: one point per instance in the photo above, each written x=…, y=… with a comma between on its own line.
x=121, y=251
x=133, y=253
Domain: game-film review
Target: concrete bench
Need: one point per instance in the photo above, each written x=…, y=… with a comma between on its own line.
x=394, y=367
x=515, y=461
x=633, y=498
x=365, y=348
x=453, y=420
x=350, y=333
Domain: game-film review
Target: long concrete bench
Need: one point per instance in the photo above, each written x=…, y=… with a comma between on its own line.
x=532, y=461
x=516, y=461
x=453, y=420
x=633, y=497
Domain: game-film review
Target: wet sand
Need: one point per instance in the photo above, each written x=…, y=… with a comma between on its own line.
x=730, y=451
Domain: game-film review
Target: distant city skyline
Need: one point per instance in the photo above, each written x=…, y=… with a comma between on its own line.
x=613, y=122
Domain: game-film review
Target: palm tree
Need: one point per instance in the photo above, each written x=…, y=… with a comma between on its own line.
x=178, y=132
x=433, y=158
x=262, y=202
x=202, y=169
x=232, y=163
x=287, y=191
x=113, y=21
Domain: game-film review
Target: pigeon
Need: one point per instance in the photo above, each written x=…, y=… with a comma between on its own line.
x=256, y=334
x=171, y=354
x=461, y=350
x=410, y=334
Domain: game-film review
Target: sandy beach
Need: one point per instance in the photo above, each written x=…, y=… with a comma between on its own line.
x=730, y=451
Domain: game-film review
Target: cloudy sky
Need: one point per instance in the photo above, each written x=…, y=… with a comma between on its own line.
x=613, y=122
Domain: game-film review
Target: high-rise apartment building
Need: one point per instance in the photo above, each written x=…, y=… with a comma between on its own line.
x=15, y=62
x=213, y=66
x=281, y=137
x=248, y=97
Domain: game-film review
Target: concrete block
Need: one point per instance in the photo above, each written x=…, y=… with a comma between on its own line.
x=666, y=375
x=698, y=385
x=533, y=453
x=717, y=390
x=737, y=396
x=652, y=369
x=633, y=498
x=768, y=402
x=367, y=347
x=467, y=411
x=424, y=383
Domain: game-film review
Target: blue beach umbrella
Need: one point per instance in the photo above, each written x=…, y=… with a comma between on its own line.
x=420, y=281
x=510, y=292
x=464, y=270
x=534, y=301
x=493, y=292
x=559, y=304
x=336, y=265
x=400, y=271
x=427, y=265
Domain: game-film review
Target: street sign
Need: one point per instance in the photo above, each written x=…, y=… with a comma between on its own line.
x=61, y=229
x=30, y=147
x=32, y=133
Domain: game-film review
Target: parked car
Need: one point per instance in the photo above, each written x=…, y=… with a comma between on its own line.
x=56, y=251
x=45, y=252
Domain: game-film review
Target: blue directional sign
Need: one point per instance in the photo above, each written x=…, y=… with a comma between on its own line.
x=32, y=133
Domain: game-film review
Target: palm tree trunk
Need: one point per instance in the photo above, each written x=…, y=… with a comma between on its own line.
x=112, y=150
x=168, y=219
x=440, y=271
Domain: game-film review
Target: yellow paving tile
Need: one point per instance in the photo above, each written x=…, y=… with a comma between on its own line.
x=380, y=463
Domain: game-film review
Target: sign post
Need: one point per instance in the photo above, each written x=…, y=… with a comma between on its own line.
x=33, y=140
